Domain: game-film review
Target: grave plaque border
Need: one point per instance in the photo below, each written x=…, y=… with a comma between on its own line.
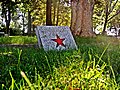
x=47, y=35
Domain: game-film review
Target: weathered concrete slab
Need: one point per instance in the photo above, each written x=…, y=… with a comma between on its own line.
x=55, y=38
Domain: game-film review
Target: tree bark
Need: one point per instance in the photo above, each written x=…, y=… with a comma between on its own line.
x=8, y=21
x=29, y=23
x=48, y=13
x=54, y=15
x=23, y=31
x=57, y=13
x=106, y=17
x=108, y=10
x=81, y=17
x=7, y=13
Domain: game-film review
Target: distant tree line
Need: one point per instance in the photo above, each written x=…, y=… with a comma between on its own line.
x=21, y=16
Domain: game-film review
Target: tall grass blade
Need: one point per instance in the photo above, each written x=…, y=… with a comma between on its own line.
x=13, y=81
x=19, y=55
x=27, y=80
x=100, y=58
x=48, y=64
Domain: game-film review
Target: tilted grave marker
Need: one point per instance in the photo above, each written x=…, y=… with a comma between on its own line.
x=55, y=38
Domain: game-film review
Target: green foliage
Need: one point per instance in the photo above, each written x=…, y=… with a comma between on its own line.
x=98, y=16
x=18, y=40
x=14, y=32
x=78, y=74
x=60, y=13
x=64, y=14
x=39, y=14
x=95, y=65
x=100, y=10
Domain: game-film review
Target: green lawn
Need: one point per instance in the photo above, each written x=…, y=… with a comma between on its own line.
x=94, y=66
x=18, y=40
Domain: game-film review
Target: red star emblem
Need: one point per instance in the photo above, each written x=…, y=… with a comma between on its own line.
x=59, y=41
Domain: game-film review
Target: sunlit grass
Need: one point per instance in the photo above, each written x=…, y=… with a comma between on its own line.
x=94, y=66
x=18, y=40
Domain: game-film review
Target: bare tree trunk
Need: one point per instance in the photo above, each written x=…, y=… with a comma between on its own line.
x=57, y=13
x=105, y=23
x=33, y=26
x=54, y=15
x=7, y=14
x=108, y=10
x=7, y=26
x=48, y=13
x=9, y=19
x=106, y=18
x=74, y=15
x=23, y=31
x=81, y=18
x=29, y=23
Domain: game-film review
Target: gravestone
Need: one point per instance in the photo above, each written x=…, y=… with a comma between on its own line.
x=55, y=38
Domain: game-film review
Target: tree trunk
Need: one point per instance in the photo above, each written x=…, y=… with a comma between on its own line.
x=106, y=19
x=7, y=25
x=33, y=26
x=7, y=14
x=108, y=10
x=29, y=23
x=9, y=19
x=54, y=15
x=57, y=13
x=48, y=13
x=81, y=18
x=23, y=31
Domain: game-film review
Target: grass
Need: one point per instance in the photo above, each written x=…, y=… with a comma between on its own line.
x=18, y=40
x=94, y=66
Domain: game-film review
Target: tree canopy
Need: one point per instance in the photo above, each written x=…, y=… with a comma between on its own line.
x=21, y=16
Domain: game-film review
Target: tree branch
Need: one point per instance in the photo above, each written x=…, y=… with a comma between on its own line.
x=114, y=15
x=113, y=6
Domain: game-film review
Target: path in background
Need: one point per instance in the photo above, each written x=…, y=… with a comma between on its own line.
x=19, y=45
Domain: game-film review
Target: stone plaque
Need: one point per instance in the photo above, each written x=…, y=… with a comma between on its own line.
x=55, y=38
